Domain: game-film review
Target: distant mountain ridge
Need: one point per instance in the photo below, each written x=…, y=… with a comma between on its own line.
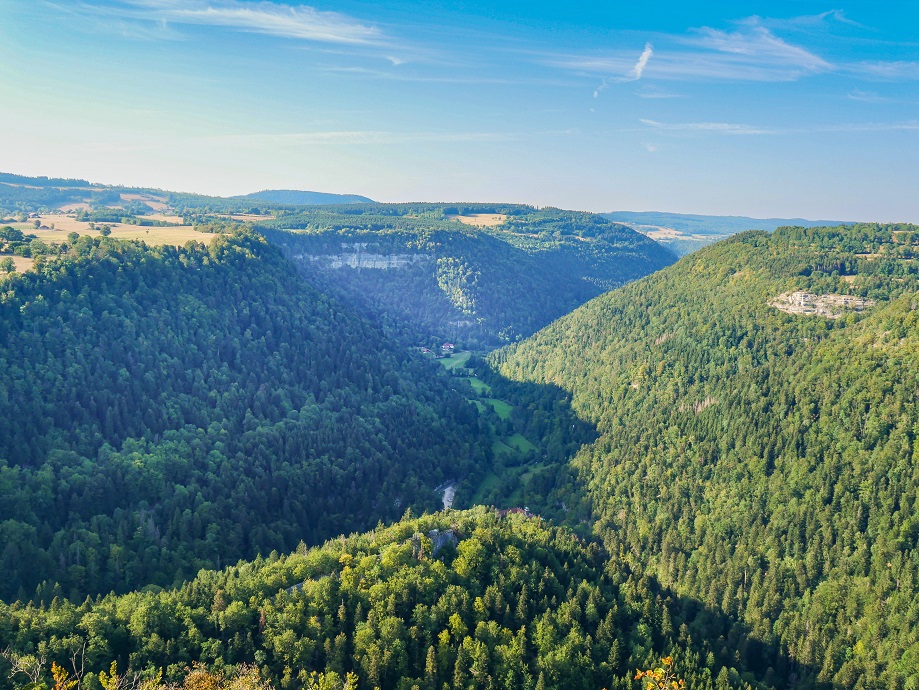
x=684, y=233
x=296, y=197
x=713, y=225
x=20, y=193
x=42, y=181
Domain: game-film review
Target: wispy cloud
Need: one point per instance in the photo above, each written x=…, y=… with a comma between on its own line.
x=634, y=74
x=732, y=128
x=838, y=15
x=295, y=22
x=370, y=137
x=892, y=70
x=808, y=22
x=902, y=126
x=748, y=52
x=651, y=92
x=757, y=45
x=718, y=127
x=639, y=67
x=867, y=96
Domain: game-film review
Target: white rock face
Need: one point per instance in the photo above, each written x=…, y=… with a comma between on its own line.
x=449, y=495
x=831, y=306
x=355, y=256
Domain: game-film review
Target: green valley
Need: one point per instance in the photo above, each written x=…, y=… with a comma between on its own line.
x=713, y=462
x=327, y=363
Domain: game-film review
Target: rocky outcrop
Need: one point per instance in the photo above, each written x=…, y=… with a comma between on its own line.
x=441, y=540
x=354, y=255
x=831, y=306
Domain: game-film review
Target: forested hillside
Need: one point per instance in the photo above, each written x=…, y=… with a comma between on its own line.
x=743, y=426
x=755, y=455
x=480, y=274
x=455, y=600
x=167, y=409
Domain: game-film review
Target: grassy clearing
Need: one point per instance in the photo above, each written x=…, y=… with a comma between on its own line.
x=166, y=218
x=478, y=386
x=502, y=409
x=516, y=476
x=488, y=484
x=520, y=443
x=531, y=470
x=21, y=263
x=499, y=447
x=251, y=217
x=157, y=203
x=486, y=220
x=456, y=360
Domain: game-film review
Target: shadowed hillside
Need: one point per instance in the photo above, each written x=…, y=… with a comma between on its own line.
x=479, y=274
x=166, y=409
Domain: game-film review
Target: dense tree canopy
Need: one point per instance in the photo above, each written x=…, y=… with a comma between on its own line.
x=164, y=409
x=506, y=603
x=761, y=462
x=750, y=471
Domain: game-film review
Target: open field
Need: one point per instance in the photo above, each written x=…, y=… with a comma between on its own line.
x=167, y=218
x=656, y=232
x=527, y=475
x=488, y=484
x=521, y=443
x=478, y=386
x=501, y=408
x=499, y=447
x=455, y=360
x=486, y=220
x=251, y=217
x=157, y=203
x=63, y=225
x=22, y=263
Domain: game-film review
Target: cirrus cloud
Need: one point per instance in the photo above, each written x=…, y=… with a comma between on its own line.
x=295, y=22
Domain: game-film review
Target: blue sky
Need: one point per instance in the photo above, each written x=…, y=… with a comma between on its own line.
x=789, y=108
